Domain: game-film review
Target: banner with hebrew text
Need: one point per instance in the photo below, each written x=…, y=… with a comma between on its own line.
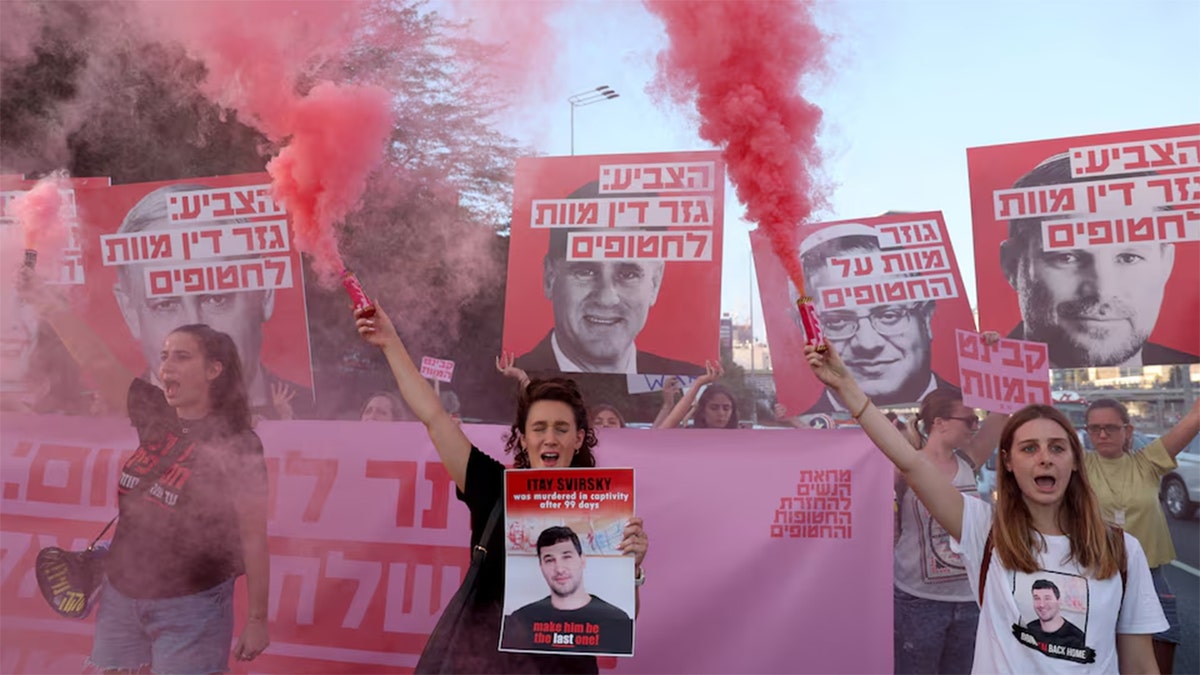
x=368, y=543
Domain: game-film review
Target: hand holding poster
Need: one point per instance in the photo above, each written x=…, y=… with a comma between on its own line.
x=1004, y=376
x=441, y=370
x=561, y=523
x=1089, y=244
x=889, y=297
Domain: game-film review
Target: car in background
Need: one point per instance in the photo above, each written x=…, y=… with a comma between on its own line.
x=1180, y=491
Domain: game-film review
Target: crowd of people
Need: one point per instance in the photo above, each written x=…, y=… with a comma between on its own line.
x=1060, y=515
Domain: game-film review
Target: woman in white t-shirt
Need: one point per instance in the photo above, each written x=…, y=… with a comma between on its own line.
x=1059, y=591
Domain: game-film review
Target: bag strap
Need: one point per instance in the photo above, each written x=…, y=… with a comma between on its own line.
x=479, y=551
x=145, y=481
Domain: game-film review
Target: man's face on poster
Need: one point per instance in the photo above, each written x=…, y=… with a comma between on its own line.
x=886, y=347
x=1093, y=306
x=562, y=567
x=1045, y=604
x=600, y=306
x=151, y=319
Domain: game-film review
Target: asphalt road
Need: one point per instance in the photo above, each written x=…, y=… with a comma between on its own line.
x=1184, y=577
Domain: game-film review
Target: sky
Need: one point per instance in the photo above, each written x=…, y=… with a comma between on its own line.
x=909, y=87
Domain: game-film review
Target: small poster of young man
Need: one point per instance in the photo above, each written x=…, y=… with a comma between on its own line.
x=568, y=588
x=1054, y=615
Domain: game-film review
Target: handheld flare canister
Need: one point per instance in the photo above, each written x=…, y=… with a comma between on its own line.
x=813, y=335
x=355, y=290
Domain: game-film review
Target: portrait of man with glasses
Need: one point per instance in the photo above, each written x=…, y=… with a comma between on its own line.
x=887, y=347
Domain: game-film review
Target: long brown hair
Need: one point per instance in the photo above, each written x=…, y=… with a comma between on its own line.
x=227, y=393
x=1094, y=546
x=553, y=389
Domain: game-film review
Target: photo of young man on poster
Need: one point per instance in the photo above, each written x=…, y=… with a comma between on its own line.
x=1051, y=626
x=569, y=618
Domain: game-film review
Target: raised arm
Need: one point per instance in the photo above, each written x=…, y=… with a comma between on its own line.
x=936, y=491
x=680, y=411
x=671, y=390
x=1181, y=434
x=448, y=438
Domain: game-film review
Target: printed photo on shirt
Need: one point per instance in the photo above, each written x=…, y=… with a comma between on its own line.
x=1053, y=615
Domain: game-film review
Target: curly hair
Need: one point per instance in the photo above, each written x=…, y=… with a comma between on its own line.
x=552, y=389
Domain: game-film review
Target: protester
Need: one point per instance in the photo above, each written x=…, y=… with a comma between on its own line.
x=1047, y=523
x=383, y=406
x=193, y=517
x=717, y=408
x=1127, y=485
x=605, y=416
x=671, y=391
x=551, y=430
x=935, y=613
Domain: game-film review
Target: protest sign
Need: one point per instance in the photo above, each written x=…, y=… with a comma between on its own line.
x=1089, y=244
x=1002, y=377
x=563, y=529
x=889, y=296
x=615, y=263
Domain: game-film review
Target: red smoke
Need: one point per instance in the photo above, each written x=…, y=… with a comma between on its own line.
x=742, y=63
x=260, y=57
x=41, y=213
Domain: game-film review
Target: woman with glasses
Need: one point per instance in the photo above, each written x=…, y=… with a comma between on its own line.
x=1127, y=485
x=935, y=612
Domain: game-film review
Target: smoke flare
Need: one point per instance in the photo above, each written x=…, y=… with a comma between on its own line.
x=741, y=63
x=41, y=213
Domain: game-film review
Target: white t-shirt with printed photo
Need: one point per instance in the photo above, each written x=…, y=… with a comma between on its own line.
x=1010, y=638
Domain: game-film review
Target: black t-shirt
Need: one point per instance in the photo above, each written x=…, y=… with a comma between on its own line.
x=1067, y=635
x=480, y=641
x=180, y=535
x=611, y=626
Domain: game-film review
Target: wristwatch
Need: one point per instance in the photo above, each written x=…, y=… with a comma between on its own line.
x=641, y=577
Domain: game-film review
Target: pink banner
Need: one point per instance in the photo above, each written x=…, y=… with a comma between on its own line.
x=777, y=559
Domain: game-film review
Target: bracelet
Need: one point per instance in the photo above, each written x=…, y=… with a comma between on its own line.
x=862, y=409
x=641, y=577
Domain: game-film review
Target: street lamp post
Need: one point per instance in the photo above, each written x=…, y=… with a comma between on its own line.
x=601, y=93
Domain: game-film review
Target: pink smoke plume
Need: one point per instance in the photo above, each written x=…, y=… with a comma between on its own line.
x=530, y=43
x=742, y=63
x=260, y=59
x=42, y=214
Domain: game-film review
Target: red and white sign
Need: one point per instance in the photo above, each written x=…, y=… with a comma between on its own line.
x=1002, y=377
x=1090, y=244
x=889, y=296
x=441, y=370
x=615, y=263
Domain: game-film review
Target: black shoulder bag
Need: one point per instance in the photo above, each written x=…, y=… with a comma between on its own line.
x=69, y=579
x=435, y=658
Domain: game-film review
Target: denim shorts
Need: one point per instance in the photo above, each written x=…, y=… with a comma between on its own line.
x=188, y=635
x=1167, y=599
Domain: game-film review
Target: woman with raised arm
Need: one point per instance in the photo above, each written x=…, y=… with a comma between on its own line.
x=551, y=430
x=1128, y=483
x=716, y=409
x=935, y=613
x=193, y=516
x=1059, y=591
